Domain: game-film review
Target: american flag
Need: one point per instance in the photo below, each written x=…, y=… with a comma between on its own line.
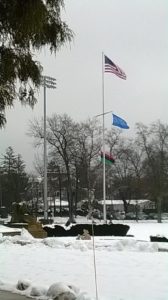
x=110, y=67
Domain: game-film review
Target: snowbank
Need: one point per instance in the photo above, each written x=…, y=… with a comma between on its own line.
x=101, y=244
x=58, y=290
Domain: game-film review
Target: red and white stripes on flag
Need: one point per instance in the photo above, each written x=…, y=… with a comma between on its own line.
x=110, y=67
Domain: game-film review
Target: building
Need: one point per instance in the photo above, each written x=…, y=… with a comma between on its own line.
x=118, y=205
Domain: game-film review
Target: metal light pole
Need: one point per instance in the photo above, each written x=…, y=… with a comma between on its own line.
x=50, y=83
x=0, y=190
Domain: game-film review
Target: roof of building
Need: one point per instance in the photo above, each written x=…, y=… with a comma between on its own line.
x=132, y=201
x=58, y=202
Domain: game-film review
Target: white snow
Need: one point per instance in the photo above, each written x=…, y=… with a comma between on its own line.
x=127, y=268
x=4, y=229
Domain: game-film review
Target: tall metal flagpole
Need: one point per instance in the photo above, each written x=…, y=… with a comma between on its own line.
x=104, y=169
x=45, y=159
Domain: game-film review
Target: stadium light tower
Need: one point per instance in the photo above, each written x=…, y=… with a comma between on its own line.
x=50, y=83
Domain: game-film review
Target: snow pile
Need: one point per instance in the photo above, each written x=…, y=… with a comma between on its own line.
x=126, y=244
x=109, y=245
x=24, y=238
x=26, y=235
x=129, y=245
x=4, y=229
x=58, y=291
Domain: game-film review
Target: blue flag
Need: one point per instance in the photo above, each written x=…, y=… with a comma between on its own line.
x=117, y=121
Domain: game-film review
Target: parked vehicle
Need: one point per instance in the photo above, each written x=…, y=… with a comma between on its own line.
x=142, y=216
x=130, y=216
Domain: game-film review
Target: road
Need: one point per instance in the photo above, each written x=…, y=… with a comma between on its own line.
x=11, y=296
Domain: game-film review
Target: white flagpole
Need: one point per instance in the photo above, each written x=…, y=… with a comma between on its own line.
x=104, y=170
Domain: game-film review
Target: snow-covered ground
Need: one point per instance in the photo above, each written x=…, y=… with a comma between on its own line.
x=127, y=268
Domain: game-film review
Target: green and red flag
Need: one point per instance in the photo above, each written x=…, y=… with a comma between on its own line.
x=109, y=159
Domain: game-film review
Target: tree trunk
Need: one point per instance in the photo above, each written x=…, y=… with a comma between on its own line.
x=159, y=210
x=60, y=191
x=125, y=206
x=70, y=198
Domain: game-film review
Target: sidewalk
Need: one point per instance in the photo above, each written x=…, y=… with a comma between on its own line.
x=11, y=296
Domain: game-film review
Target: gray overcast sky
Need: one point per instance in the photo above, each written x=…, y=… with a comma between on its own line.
x=132, y=33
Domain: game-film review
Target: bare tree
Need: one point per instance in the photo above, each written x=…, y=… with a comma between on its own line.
x=154, y=142
x=88, y=144
x=61, y=140
x=127, y=172
x=75, y=148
